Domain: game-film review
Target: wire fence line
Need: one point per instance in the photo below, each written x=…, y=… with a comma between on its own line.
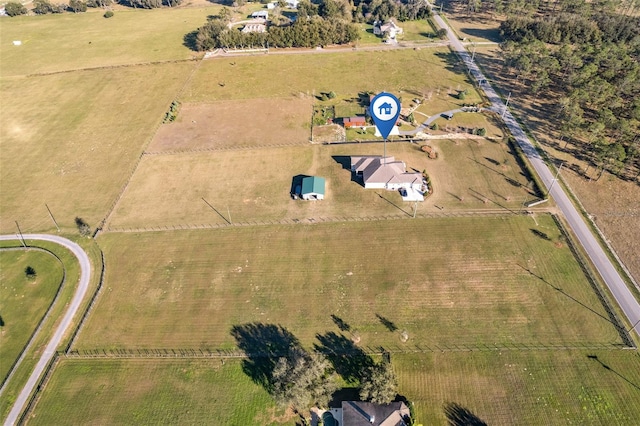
x=316, y=220
x=192, y=353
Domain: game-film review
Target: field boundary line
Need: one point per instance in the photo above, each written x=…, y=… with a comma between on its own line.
x=109, y=67
x=35, y=397
x=114, y=204
x=36, y=331
x=317, y=220
x=217, y=149
x=193, y=353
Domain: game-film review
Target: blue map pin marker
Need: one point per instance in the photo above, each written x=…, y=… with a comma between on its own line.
x=385, y=110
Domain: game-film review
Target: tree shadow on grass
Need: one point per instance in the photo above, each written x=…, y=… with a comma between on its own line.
x=457, y=415
x=390, y=325
x=263, y=344
x=350, y=361
x=189, y=40
x=342, y=324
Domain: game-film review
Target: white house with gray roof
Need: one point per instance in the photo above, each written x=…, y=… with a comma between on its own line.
x=385, y=173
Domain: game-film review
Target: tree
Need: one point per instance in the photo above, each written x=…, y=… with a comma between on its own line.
x=379, y=384
x=83, y=227
x=442, y=33
x=30, y=272
x=77, y=6
x=303, y=379
x=15, y=9
x=43, y=7
x=108, y=14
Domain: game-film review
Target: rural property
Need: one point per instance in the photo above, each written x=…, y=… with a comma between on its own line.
x=200, y=227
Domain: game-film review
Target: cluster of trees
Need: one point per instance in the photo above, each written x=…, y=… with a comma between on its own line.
x=43, y=7
x=303, y=33
x=320, y=23
x=591, y=56
x=531, y=7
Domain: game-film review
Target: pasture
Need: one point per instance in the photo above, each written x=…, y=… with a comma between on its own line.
x=508, y=387
x=450, y=281
x=56, y=43
x=172, y=392
x=23, y=300
x=403, y=72
x=196, y=189
x=71, y=140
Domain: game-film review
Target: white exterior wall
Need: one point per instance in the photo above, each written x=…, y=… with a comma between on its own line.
x=312, y=196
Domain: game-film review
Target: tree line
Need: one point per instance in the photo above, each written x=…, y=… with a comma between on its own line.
x=44, y=7
x=590, y=54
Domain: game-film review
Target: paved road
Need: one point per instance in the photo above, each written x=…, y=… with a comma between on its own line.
x=608, y=272
x=54, y=343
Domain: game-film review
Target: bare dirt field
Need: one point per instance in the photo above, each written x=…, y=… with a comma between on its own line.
x=236, y=124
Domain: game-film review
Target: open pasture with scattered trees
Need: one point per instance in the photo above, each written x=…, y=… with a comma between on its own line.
x=495, y=387
x=452, y=281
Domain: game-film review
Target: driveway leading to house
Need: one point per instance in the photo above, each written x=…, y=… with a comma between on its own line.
x=605, y=267
x=63, y=326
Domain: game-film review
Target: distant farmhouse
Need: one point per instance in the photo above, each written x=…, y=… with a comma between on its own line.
x=358, y=413
x=262, y=14
x=289, y=4
x=390, y=29
x=387, y=173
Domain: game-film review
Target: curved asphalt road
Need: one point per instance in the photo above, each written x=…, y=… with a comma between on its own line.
x=608, y=272
x=83, y=285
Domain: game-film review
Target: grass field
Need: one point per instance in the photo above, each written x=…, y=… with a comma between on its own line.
x=524, y=388
x=71, y=140
x=592, y=388
x=310, y=74
x=24, y=301
x=469, y=281
x=53, y=43
x=255, y=185
x=172, y=392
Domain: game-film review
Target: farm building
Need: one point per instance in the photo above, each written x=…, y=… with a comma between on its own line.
x=349, y=122
x=313, y=188
x=385, y=173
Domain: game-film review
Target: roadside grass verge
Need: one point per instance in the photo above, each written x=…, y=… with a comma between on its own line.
x=349, y=72
x=204, y=188
x=70, y=41
x=459, y=281
x=529, y=387
x=24, y=301
x=129, y=392
x=71, y=140
x=22, y=373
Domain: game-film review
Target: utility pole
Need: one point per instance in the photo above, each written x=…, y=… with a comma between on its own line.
x=20, y=235
x=229, y=213
x=553, y=182
x=506, y=105
x=52, y=218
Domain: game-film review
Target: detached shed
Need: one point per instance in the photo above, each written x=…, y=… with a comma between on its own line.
x=312, y=188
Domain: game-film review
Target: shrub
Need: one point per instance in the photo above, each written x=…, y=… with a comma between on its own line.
x=481, y=131
x=108, y=14
x=15, y=9
x=331, y=94
x=435, y=126
x=442, y=33
x=77, y=6
x=83, y=227
x=30, y=272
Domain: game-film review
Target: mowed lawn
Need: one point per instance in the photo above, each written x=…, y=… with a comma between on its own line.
x=466, y=281
x=254, y=185
x=23, y=300
x=54, y=43
x=71, y=140
x=127, y=392
x=534, y=387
